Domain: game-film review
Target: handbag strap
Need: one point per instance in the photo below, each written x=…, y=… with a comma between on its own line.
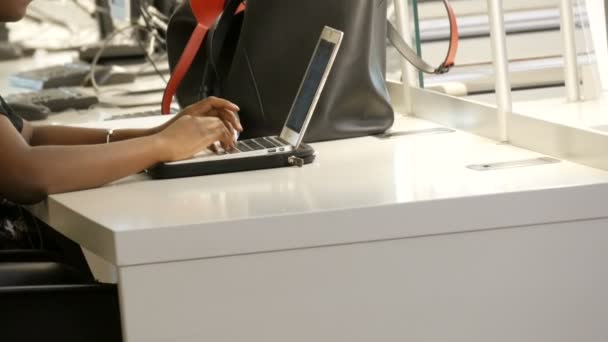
x=205, y=12
x=406, y=51
x=215, y=44
x=218, y=34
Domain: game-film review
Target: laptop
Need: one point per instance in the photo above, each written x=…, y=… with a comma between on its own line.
x=293, y=131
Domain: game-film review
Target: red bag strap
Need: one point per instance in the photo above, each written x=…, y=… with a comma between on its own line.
x=407, y=52
x=205, y=12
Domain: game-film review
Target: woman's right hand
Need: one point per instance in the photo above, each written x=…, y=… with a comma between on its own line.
x=189, y=135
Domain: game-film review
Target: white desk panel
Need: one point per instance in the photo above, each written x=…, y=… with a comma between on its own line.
x=590, y=114
x=357, y=190
x=545, y=283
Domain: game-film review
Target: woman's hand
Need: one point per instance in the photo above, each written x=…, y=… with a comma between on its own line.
x=188, y=135
x=209, y=107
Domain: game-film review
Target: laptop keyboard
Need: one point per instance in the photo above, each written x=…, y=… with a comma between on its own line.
x=258, y=144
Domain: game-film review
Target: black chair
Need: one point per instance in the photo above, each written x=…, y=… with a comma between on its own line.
x=45, y=300
x=24, y=255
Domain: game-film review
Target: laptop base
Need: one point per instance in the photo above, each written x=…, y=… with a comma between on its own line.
x=303, y=155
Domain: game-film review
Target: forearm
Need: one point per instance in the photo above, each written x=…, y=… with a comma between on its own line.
x=56, y=169
x=66, y=135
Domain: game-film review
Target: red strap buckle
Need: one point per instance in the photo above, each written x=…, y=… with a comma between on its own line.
x=451, y=56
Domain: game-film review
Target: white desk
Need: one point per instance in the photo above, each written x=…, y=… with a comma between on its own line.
x=142, y=95
x=378, y=240
x=41, y=60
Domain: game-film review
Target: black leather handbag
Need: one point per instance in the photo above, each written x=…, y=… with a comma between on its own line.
x=257, y=58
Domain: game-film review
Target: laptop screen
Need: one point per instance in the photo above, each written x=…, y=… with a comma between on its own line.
x=311, y=83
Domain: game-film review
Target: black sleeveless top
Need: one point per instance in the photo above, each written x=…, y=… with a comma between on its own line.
x=15, y=119
x=14, y=221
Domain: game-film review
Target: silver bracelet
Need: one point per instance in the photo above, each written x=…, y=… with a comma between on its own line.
x=109, y=134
